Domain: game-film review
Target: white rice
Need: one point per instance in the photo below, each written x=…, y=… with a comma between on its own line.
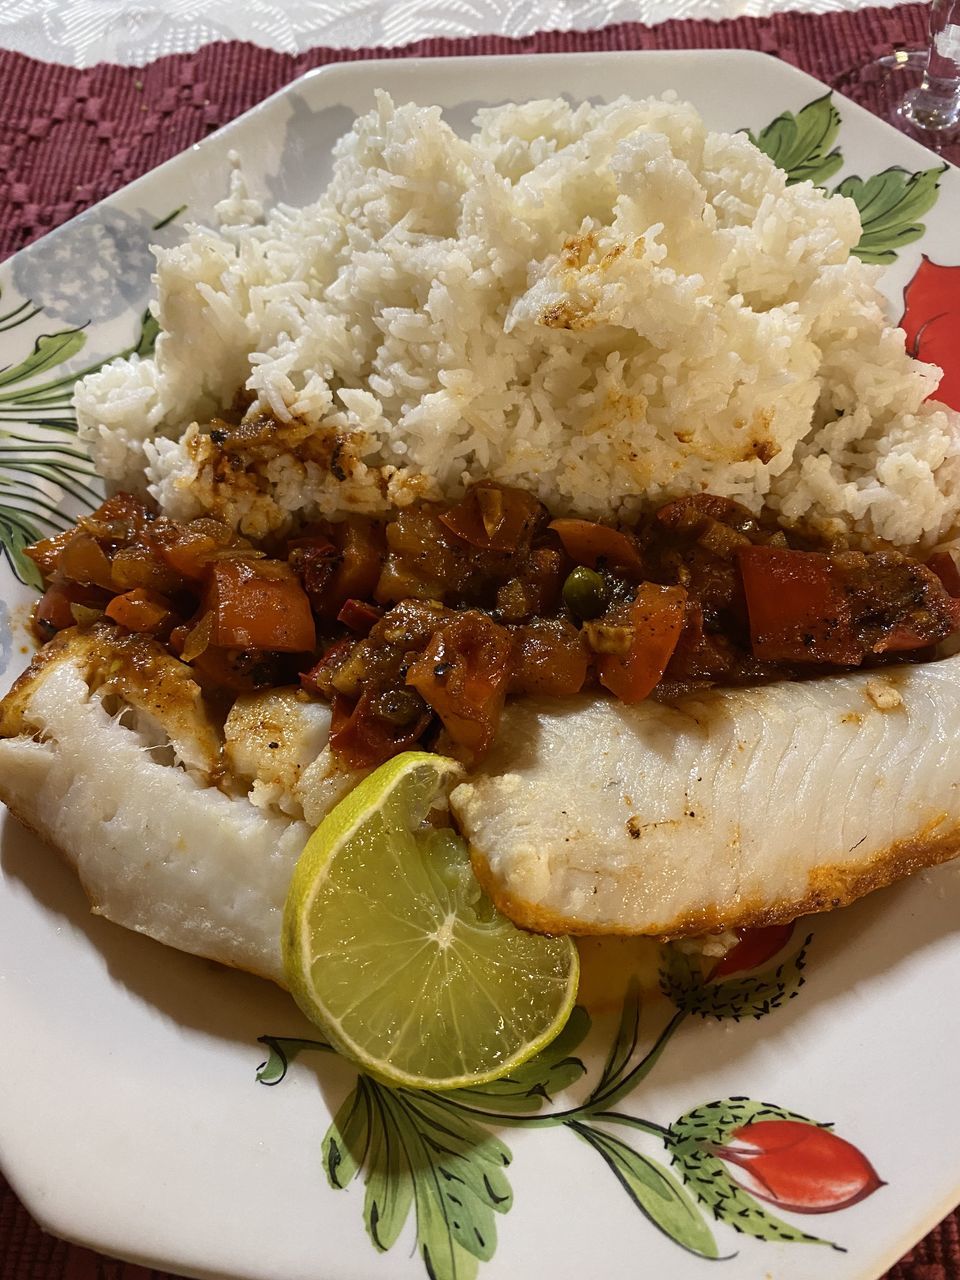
x=609, y=305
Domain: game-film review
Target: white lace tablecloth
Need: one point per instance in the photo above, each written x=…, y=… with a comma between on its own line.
x=131, y=32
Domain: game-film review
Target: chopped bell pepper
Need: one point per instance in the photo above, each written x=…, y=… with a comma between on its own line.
x=258, y=604
x=797, y=607
x=598, y=545
x=464, y=674
x=54, y=610
x=494, y=517
x=653, y=622
x=362, y=736
x=139, y=610
x=945, y=567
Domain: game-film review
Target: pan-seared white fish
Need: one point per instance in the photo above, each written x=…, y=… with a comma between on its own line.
x=276, y=743
x=107, y=752
x=722, y=808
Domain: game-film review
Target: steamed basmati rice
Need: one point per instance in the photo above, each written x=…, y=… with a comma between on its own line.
x=609, y=305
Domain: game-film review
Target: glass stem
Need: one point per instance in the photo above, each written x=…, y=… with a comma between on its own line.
x=936, y=104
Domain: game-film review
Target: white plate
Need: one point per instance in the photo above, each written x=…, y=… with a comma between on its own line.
x=131, y=1118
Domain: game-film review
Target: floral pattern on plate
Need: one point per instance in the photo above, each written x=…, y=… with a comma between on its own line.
x=435, y=1154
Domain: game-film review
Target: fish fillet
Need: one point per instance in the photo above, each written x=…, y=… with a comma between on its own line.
x=130, y=789
x=722, y=808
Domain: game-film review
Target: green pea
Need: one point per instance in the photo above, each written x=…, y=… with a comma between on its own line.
x=585, y=593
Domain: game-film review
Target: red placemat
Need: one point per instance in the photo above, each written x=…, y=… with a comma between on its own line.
x=69, y=138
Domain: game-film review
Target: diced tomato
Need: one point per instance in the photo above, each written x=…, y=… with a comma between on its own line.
x=83, y=560
x=900, y=640
x=141, y=566
x=344, y=566
x=425, y=561
x=361, y=737
x=362, y=551
x=903, y=637
x=543, y=578
x=317, y=679
x=494, y=517
x=139, y=610
x=259, y=604
x=598, y=545
x=551, y=659
x=656, y=619
x=359, y=616
x=314, y=563
x=118, y=519
x=699, y=655
x=797, y=607
x=241, y=670
x=692, y=514
x=114, y=524
x=189, y=549
x=463, y=675
x=46, y=553
x=945, y=567
x=53, y=611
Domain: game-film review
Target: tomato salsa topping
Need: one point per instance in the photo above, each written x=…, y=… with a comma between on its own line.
x=419, y=627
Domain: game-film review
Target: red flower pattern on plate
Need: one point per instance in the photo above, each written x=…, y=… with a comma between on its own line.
x=931, y=320
x=799, y=1167
x=756, y=947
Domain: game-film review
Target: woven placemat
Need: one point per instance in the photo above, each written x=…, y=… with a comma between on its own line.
x=69, y=138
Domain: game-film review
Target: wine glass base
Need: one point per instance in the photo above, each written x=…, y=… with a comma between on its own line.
x=915, y=116
x=887, y=86
x=894, y=79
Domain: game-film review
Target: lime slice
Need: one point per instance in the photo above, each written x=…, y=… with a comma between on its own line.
x=393, y=949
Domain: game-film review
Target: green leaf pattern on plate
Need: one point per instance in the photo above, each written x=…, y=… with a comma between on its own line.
x=653, y=1189
x=891, y=203
x=49, y=350
x=41, y=460
x=281, y=1052
x=538, y=1081
x=682, y=982
x=801, y=144
x=419, y=1151
x=16, y=532
x=348, y=1138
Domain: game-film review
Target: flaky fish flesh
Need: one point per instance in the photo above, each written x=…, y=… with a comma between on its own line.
x=108, y=753
x=724, y=808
